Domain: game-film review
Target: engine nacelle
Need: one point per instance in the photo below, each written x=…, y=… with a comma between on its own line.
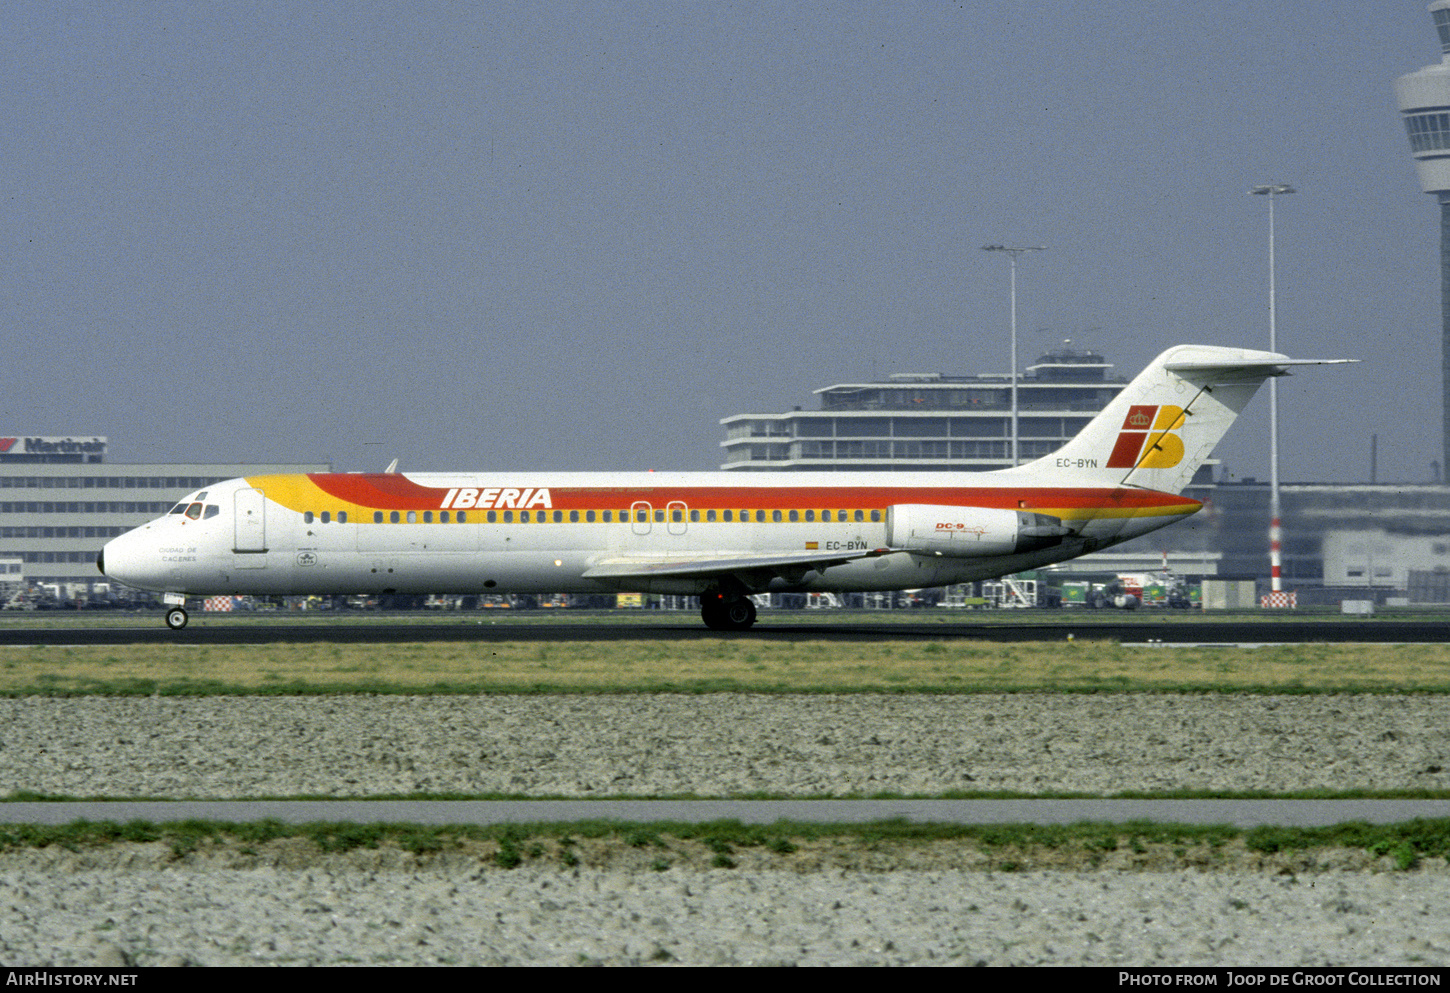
x=967, y=532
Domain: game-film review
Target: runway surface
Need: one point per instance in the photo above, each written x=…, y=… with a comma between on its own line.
x=149, y=630
x=1238, y=813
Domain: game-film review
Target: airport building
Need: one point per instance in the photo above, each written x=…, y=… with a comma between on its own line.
x=60, y=501
x=1361, y=541
x=929, y=421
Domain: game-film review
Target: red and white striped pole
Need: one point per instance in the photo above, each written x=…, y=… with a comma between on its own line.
x=1275, y=536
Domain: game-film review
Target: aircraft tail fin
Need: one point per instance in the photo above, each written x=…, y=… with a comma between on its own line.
x=1163, y=425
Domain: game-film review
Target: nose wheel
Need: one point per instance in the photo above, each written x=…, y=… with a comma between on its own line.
x=176, y=618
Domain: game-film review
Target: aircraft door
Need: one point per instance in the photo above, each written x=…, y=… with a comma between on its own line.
x=250, y=524
x=677, y=516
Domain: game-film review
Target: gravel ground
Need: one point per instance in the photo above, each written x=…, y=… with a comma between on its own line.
x=720, y=917
x=718, y=744
x=135, y=909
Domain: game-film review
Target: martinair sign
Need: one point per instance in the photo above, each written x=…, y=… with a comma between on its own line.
x=53, y=446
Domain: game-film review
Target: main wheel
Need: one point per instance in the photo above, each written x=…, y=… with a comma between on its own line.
x=720, y=614
x=712, y=611
x=739, y=615
x=176, y=618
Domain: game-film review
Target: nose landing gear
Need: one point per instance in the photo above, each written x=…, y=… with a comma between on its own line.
x=175, y=610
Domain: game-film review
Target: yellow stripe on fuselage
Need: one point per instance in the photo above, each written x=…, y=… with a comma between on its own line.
x=298, y=493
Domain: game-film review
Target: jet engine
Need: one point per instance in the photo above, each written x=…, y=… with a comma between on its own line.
x=967, y=532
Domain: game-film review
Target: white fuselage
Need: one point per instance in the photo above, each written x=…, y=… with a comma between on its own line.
x=602, y=532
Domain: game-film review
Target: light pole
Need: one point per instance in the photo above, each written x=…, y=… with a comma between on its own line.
x=1275, y=532
x=1012, y=254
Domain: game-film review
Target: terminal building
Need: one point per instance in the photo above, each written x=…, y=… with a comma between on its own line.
x=60, y=501
x=930, y=421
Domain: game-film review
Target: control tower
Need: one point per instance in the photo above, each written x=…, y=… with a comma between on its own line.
x=1424, y=99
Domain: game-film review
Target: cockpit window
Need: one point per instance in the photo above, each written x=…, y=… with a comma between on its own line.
x=179, y=508
x=211, y=511
x=194, y=511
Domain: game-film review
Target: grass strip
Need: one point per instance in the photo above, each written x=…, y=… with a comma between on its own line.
x=725, y=844
x=725, y=665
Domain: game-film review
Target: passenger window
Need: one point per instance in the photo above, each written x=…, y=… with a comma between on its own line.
x=559, y=516
x=589, y=516
x=860, y=517
x=377, y=517
x=810, y=515
x=709, y=515
x=492, y=517
x=393, y=518
x=508, y=516
x=875, y=516
x=795, y=516
x=463, y=517
x=659, y=516
x=326, y=517
x=443, y=517
x=523, y=517
x=427, y=517
x=677, y=516
x=307, y=517
x=342, y=517
x=573, y=517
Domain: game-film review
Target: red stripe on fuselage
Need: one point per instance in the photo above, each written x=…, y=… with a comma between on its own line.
x=394, y=491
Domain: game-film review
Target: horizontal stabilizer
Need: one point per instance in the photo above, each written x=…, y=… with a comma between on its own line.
x=1229, y=365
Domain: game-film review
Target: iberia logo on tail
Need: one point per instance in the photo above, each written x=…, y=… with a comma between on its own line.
x=1149, y=438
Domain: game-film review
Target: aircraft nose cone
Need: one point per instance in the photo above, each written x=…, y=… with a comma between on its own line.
x=130, y=559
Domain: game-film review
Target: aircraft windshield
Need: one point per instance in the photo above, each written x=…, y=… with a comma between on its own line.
x=195, y=509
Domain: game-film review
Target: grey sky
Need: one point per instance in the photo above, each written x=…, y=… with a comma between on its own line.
x=575, y=235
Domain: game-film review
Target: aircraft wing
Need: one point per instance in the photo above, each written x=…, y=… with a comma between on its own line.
x=791, y=565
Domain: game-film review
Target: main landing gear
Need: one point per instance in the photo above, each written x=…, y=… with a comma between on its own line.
x=726, y=614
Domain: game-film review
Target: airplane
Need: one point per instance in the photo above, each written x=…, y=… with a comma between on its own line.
x=715, y=535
